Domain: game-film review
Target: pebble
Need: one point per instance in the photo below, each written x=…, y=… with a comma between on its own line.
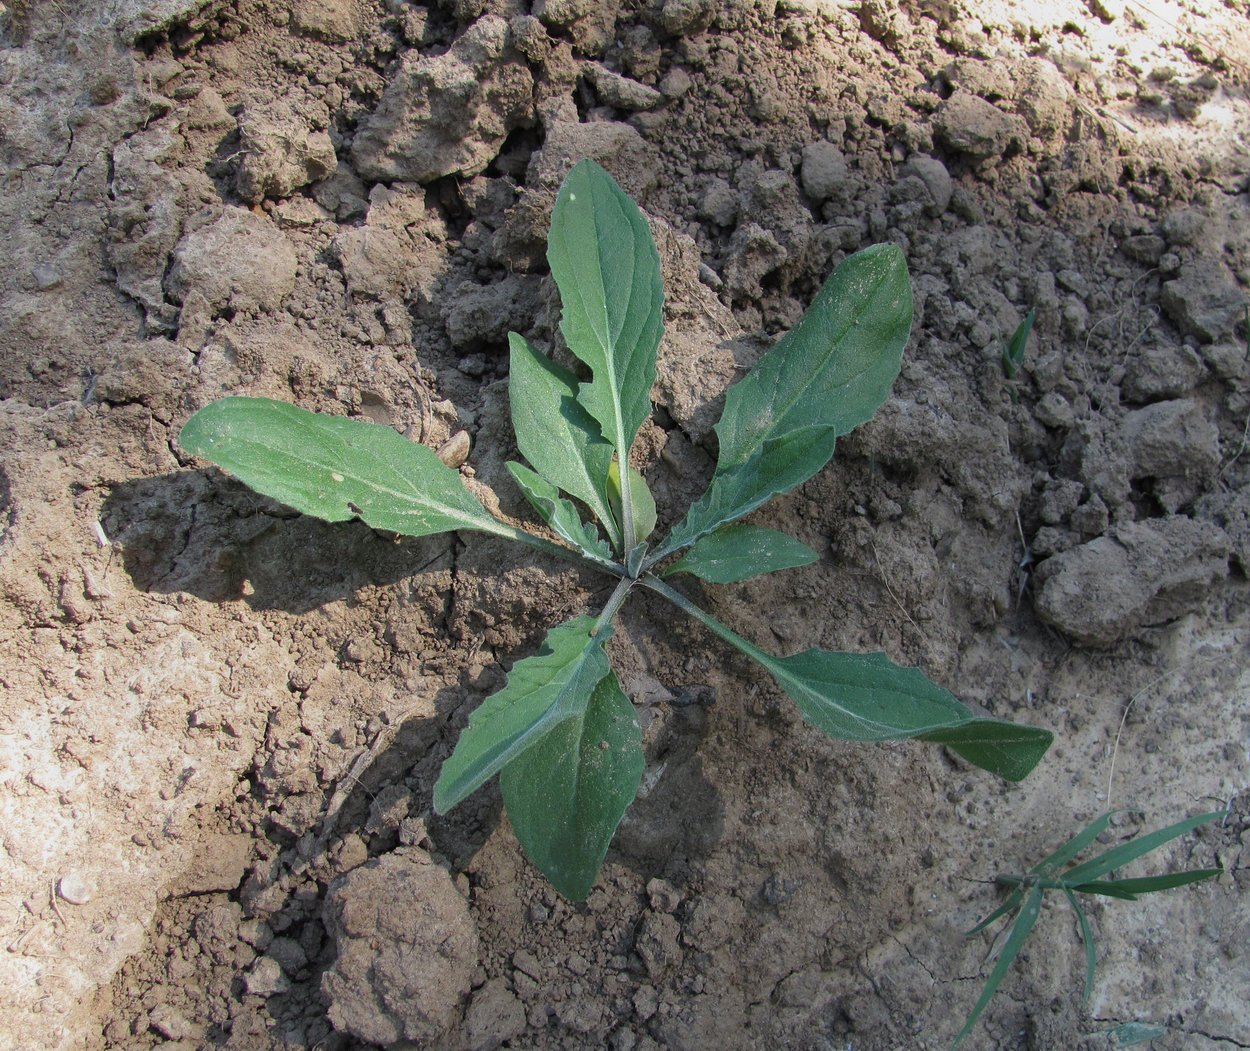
x=75, y=888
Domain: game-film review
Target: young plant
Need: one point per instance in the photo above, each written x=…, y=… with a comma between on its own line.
x=1024, y=903
x=561, y=733
x=1013, y=352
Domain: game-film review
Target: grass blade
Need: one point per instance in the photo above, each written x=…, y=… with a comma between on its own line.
x=1010, y=905
x=1020, y=929
x=1073, y=846
x=1134, y=849
x=1131, y=888
x=1087, y=936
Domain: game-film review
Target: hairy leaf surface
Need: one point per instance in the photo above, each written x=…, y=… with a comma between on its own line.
x=335, y=468
x=606, y=266
x=556, y=434
x=542, y=691
x=825, y=377
x=866, y=697
x=566, y=795
x=559, y=513
x=643, y=504
x=741, y=551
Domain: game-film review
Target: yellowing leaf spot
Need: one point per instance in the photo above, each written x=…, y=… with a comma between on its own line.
x=336, y=476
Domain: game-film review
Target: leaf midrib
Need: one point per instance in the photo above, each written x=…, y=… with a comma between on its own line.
x=412, y=496
x=864, y=305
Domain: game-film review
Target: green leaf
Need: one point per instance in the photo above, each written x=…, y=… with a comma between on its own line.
x=1135, y=848
x=1131, y=888
x=542, y=691
x=1010, y=905
x=643, y=503
x=1087, y=936
x=828, y=375
x=560, y=514
x=606, y=266
x=1073, y=846
x=1020, y=930
x=555, y=434
x=1013, y=353
x=335, y=468
x=739, y=552
x=865, y=697
x=566, y=795
x=1130, y=1034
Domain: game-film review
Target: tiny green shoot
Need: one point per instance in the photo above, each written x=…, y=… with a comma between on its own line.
x=561, y=734
x=1130, y=1034
x=1024, y=902
x=1013, y=352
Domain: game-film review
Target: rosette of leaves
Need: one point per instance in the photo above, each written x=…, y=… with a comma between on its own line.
x=561, y=734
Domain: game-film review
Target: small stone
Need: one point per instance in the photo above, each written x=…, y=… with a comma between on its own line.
x=289, y=954
x=663, y=896
x=676, y=83
x=76, y=888
x=281, y=153
x=979, y=129
x=720, y=203
x=1171, y=439
x=171, y=1024
x=1162, y=371
x=1139, y=574
x=46, y=277
x=266, y=979
x=238, y=258
x=1144, y=248
x=527, y=963
x=1205, y=300
x=450, y=113
x=494, y=1016
x=657, y=943
x=936, y=179
x=455, y=450
x=1055, y=411
x=406, y=948
x=334, y=20
x=1059, y=499
x=1183, y=227
x=621, y=92
x=822, y=170
x=686, y=17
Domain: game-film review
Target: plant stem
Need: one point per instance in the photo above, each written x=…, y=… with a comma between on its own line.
x=614, y=604
x=629, y=537
x=707, y=620
x=524, y=536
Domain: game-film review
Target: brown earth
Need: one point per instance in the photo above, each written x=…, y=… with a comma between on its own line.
x=221, y=722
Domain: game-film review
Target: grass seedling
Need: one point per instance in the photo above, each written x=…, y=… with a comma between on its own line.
x=561, y=734
x=1024, y=902
x=1013, y=352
